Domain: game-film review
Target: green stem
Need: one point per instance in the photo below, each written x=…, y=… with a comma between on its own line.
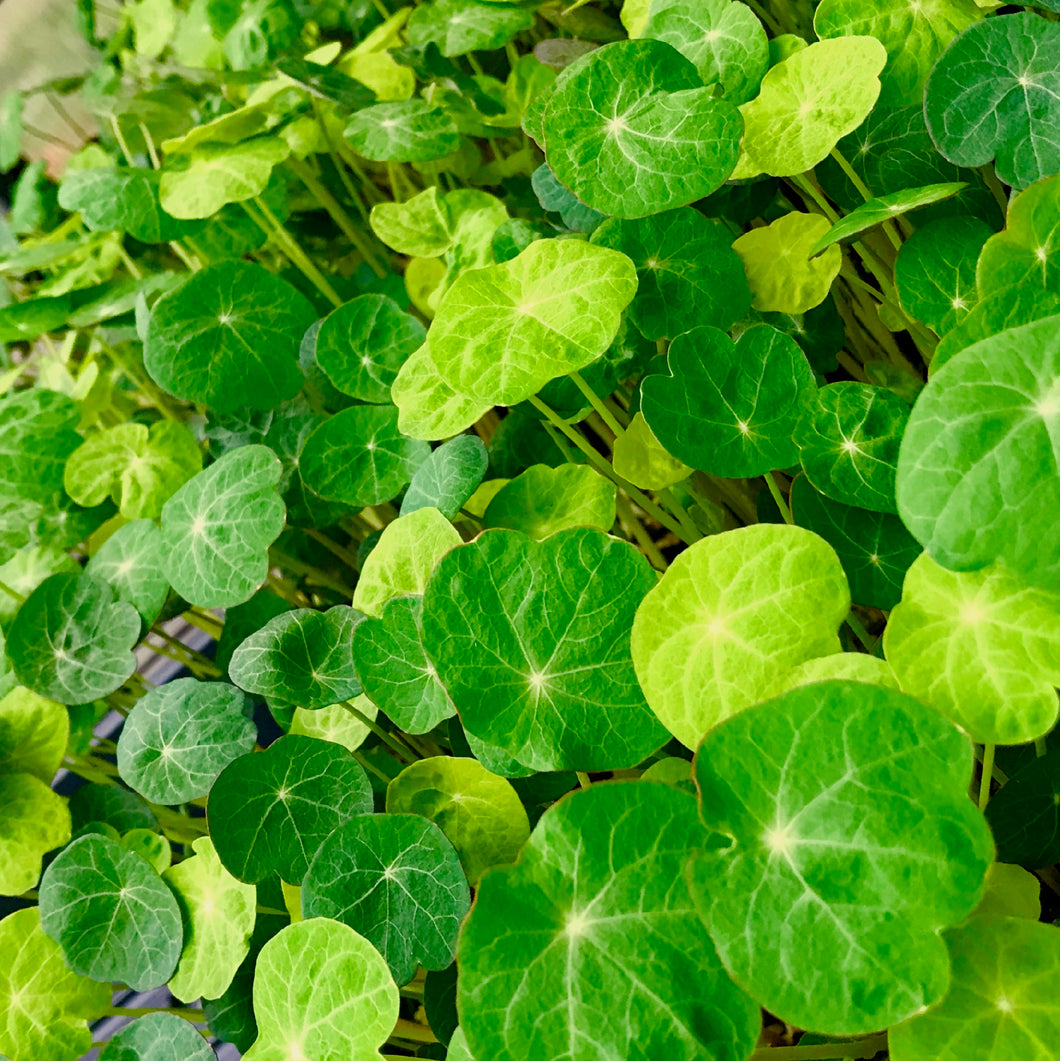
x=583, y=779
x=149, y=141
x=134, y=270
x=371, y=767
x=409, y=1029
x=987, y=775
x=852, y=175
x=676, y=509
x=868, y=642
x=808, y=188
x=116, y=128
x=272, y=911
x=146, y=386
x=864, y=1048
x=778, y=497
x=193, y=264
x=343, y=554
x=632, y=525
x=308, y=571
x=594, y=400
x=400, y=750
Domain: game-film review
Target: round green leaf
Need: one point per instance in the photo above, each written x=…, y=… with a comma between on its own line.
x=543, y=500
x=362, y=344
x=448, y=477
x=132, y=561
x=336, y=723
x=502, y=332
x=848, y=443
x=1024, y=815
x=594, y=920
x=45, y=1005
x=155, y=850
x=640, y=458
x=33, y=733
x=529, y=638
x=26, y=570
x=420, y=227
x=844, y=666
x=25, y=321
x=396, y=879
x=995, y=94
x=72, y=641
x=1010, y=892
x=480, y=813
x=411, y=130
x=111, y=805
x=324, y=991
x=1001, y=999
x=980, y=646
x=687, y=272
x=160, y=1037
x=36, y=820
x=730, y=408
x=217, y=529
x=462, y=26
x=111, y=913
x=228, y=337
x=300, y=659
x=976, y=470
x=851, y=833
x=180, y=736
x=270, y=811
x=730, y=612
x=631, y=130
x=428, y=408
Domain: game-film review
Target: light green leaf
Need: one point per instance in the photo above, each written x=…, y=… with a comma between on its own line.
x=22, y=322
x=397, y=879
x=45, y=1005
x=845, y=666
x=229, y=337
x=594, y=920
x=111, y=913
x=428, y=408
x=351, y=1017
x=419, y=227
x=335, y=723
x=36, y=820
x=632, y=131
x=150, y=846
x=404, y=557
x=1011, y=891
x=640, y=458
x=26, y=570
x=411, y=130
x=217, y=528
x=981, y=647
x=730, y=612
x=462, y=26
x=448, y=477
x=529, y=638
x=808, y=103
x=179, y=737
x=543, y=500
x=11, y=106
x=850, y=833
x=480, y=813
x=218, y=913
x=131, y=560
x=160, y=1037
x=776, y=258
x=33, y=733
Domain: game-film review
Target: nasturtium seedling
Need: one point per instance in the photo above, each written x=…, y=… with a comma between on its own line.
x=851, y=830
x=595, y=918
x=448, y=477
x=269, y=812
x=111, y=913
x=160, y=1036
x=36, y=820
x=529, y=638
x=411, y=130
x=543, y=500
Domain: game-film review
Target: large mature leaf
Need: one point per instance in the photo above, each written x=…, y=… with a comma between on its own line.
x=36, y=820
x=111, y=913
x=133, y=562
x=159, y=1036
x=543, y=500
x=228, y=337
x=448, y=477
x=428, y=408
x=731, y=611
x=529, y=638
x=850, y=833
x=180, y=736
x=269, y=812
x=218, y=527
x=410, y=130
x=594, y=920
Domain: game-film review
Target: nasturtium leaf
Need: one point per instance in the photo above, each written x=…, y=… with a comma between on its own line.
x=111, y=913
x=687, y=272
x=218, y=913
x=502, y=332
x=531, y=640
x=180, y=736
x=160, y=1037
x=851, y=833
x=596, y=919
x=394, y=669
x=556, y=198
x=981, y=647
x=270, y=811
x=1000, y=1003
x=139, y=468
x=72, y=641
x=360, y=457
x=808, y=103
x=776, y=258
x=448, y=477
x=300, y=659
x=36, y=820
x=397, y=880
x=874, y=548
x=322, y=990
x=730, y=408
x=935, y=271
x=153, y=848
x=336, y=723
x=26, y=570
x=848, y=443
x=876, y=211
x=462, y=26
x=33, y=733
x=845, y=666
x=1010, y=892
x=113, y=199
x=543, y=500
x=480, y=813
x=724, y=40
x=632, y=131
x=731, y=612
x=411, y=130
x=1025, y=814
x=45, y=1005
x=404, y=557
x=111, y=805
x=995, y=94
x=977, y=467
x=362, y=344
x=218, y=527
x=914, y=34
x=26, y=321
x=640, y=458
x=131, y=560
x=419, y=227
x=228, y=337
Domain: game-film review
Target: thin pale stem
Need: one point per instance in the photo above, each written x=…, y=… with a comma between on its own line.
x=594, y=400
x=987, y=775
x=402, y=751
x=778, y=497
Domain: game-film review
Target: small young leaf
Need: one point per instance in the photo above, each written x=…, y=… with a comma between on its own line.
x=336, y=723
x=543, y=500
x=448, y=477
x=411, y=130
x=640, y=458
x=159, y=1036
x=420, y=227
